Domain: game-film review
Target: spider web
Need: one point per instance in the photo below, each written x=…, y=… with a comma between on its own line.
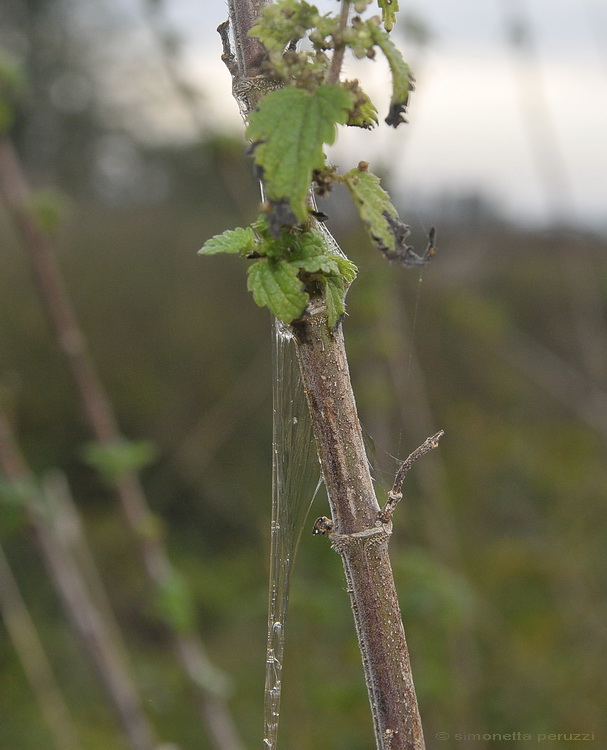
x=295, y=480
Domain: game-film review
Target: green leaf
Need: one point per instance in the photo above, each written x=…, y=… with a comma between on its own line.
x=310, y=255
x=347, y=269
x=232, y=241
x=363, y=113
x=389, y=9
x=402, y=80
x=387, y=231
x=17, y=496
x=11, y=82
x=281, y=22
x=275, y=284
x=173, y=603
x=288, y=131
x=6, y=116
x=114, y=460
x=47, y=207
x=335, y=293
x=373, y=204
x=18, y=492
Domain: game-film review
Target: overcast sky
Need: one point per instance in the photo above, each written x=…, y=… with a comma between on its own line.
x=526, y=130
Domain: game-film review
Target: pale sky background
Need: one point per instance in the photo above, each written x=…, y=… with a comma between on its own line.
x=527, y=133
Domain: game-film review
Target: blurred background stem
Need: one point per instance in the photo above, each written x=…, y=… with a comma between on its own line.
x=188, y=647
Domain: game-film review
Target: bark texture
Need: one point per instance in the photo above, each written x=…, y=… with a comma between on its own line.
x=358, y=533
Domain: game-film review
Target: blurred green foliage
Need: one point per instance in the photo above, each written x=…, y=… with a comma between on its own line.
x=114, y=460
x=499, y=546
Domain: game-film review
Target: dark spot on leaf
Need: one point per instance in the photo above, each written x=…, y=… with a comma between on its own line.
x=396, y=115
x=280, y=216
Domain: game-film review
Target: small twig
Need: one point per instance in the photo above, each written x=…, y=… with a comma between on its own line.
x=395, y=495
x=227, y=56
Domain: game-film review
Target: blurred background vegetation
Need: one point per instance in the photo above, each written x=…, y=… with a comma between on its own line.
x=499, y=551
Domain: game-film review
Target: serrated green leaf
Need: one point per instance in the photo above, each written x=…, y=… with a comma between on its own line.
x=317, y=264
x=402, y=80
x=389, y=9
x=387, y=230
x=233, y=241
x=288, y=131
x=373, y=203
x=334, y=289
x=363, y=113
x=364, y=116
x=347, y=269
x=310, y=254
x=275, y=284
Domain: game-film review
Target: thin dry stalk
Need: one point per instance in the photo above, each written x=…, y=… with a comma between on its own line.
x=24, y=636
x=85, y=617
x=188, y=647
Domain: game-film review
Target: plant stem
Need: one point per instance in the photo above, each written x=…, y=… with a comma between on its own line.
x=361, y=541
x=249, y=51
x=357, y=532
x=340, y=47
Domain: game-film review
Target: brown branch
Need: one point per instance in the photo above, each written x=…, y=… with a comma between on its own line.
x=249, y=52
x=356, y=533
